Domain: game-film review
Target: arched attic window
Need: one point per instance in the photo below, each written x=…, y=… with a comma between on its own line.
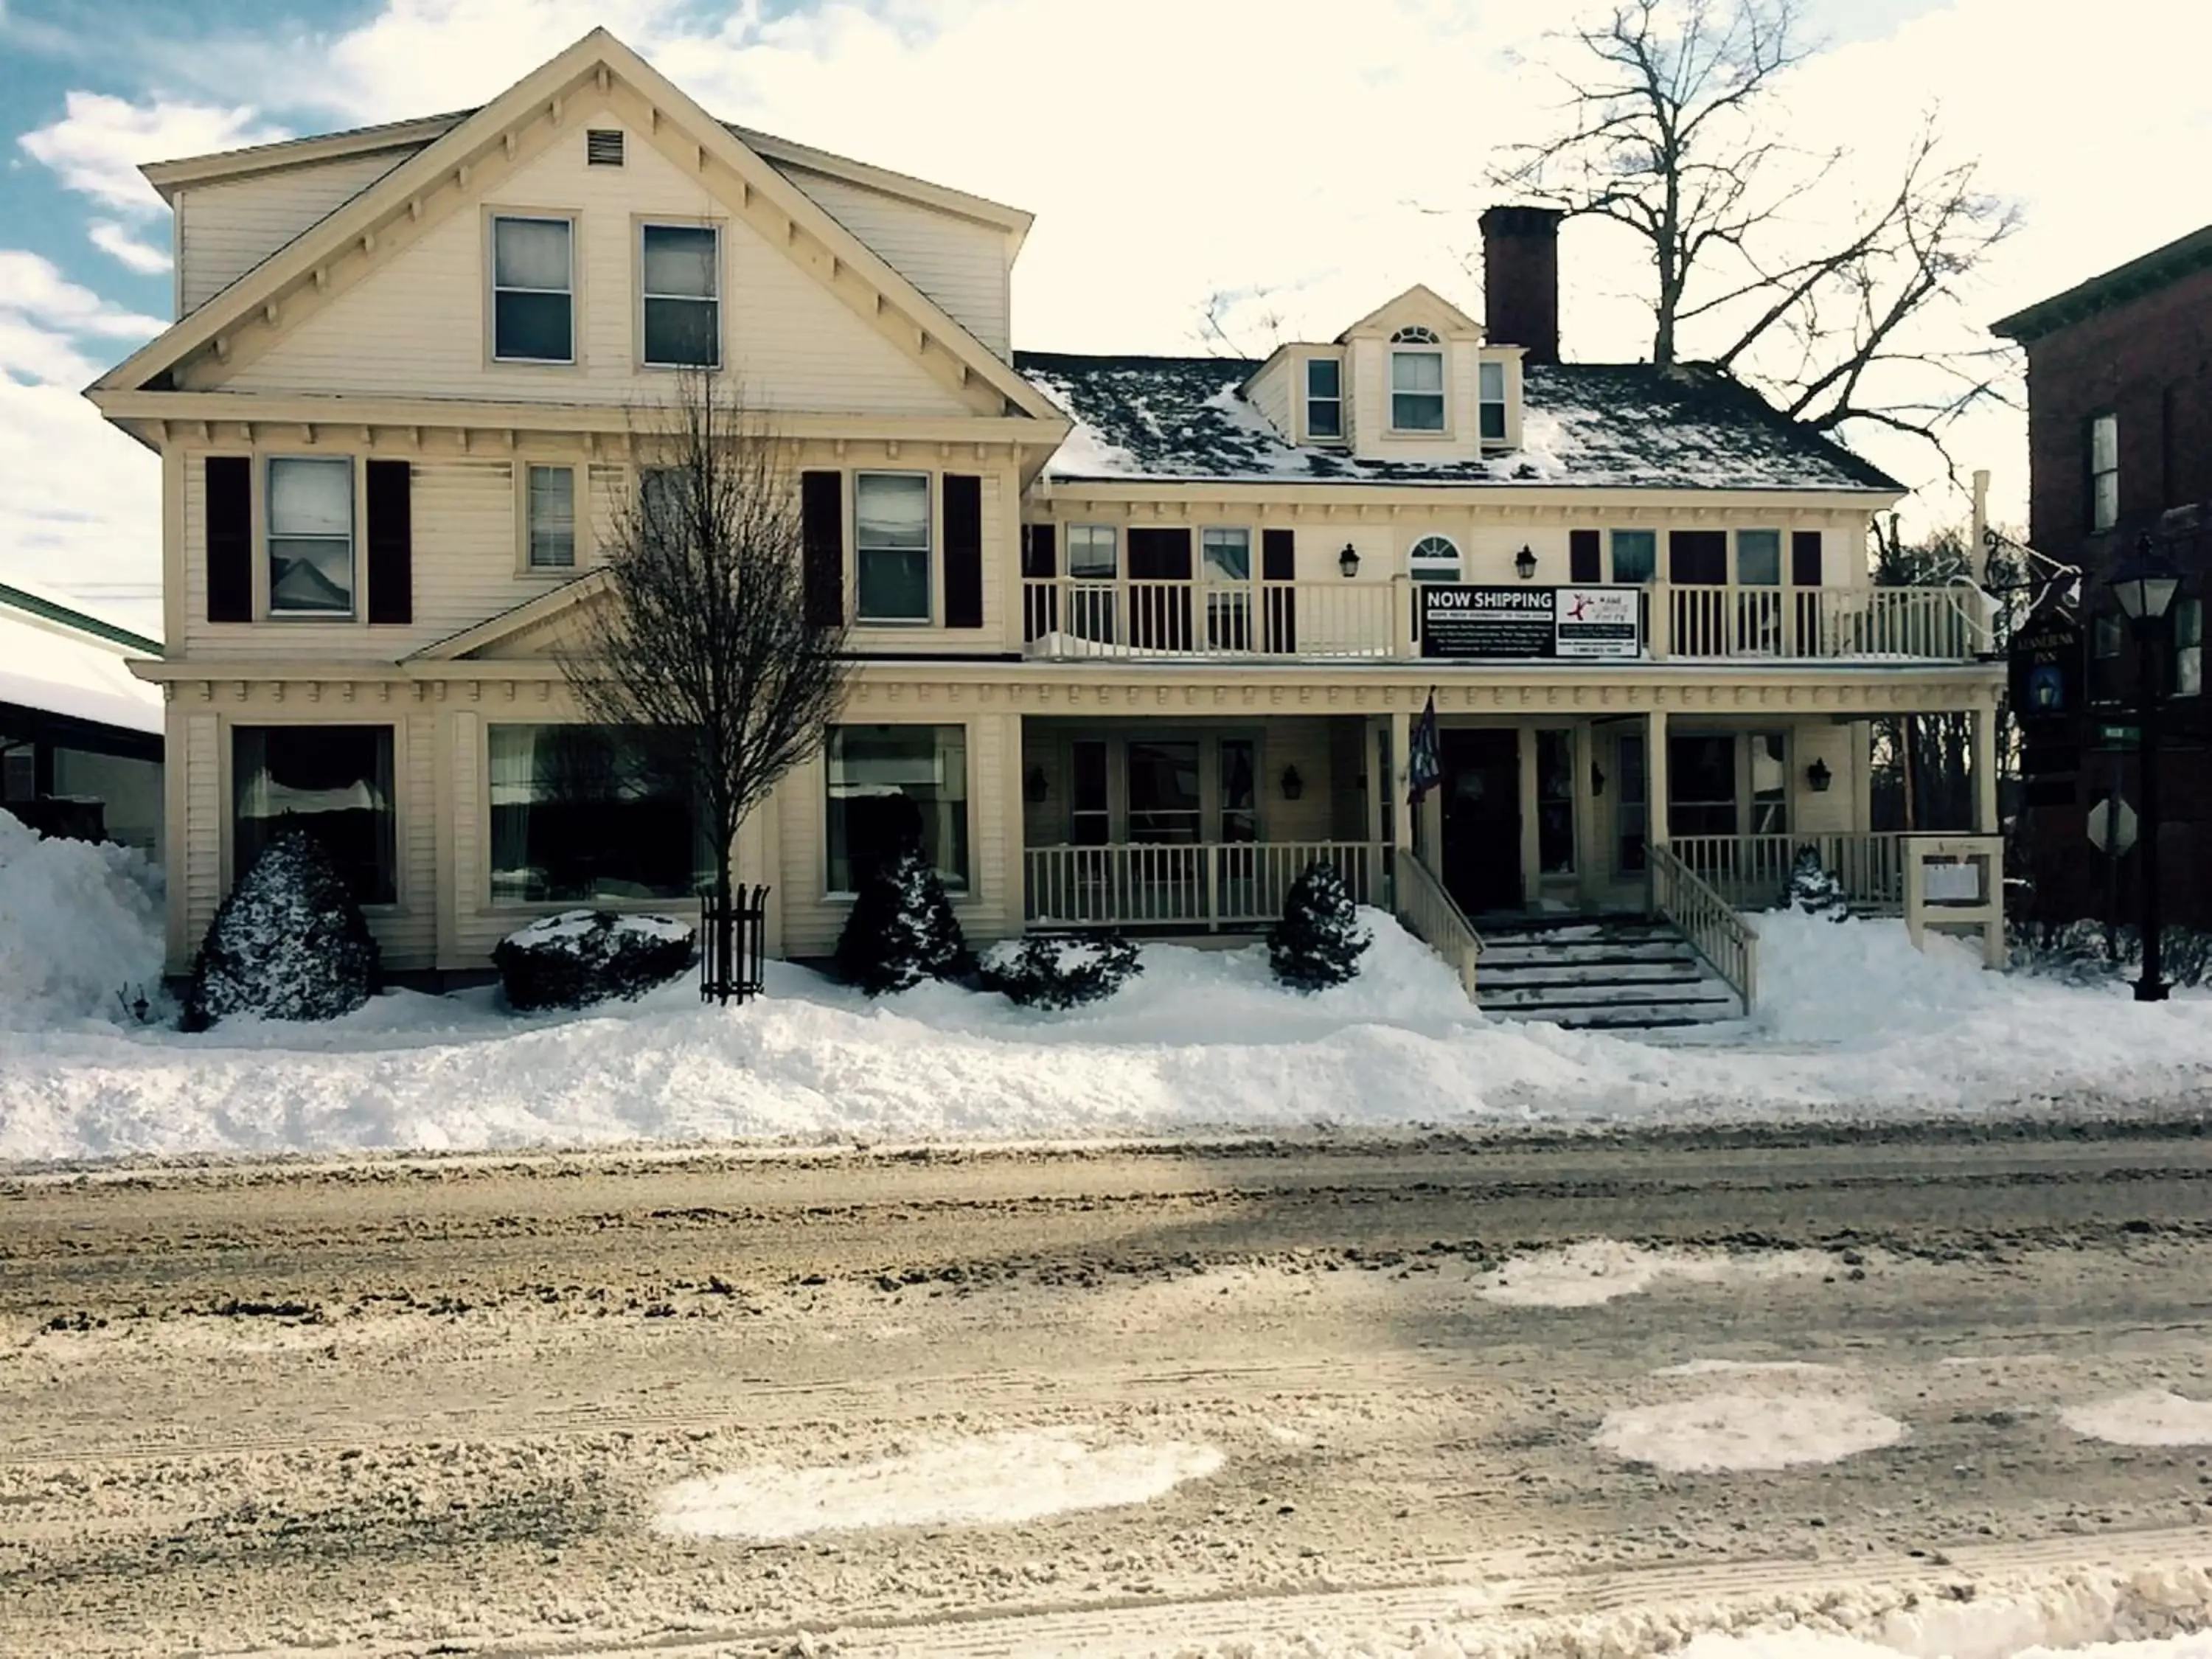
x=1433, y=559
x=1417, y=380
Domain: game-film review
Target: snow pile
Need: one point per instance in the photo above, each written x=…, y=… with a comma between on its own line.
x=1729, y=1431
x=78, y=921
x=2151, y=1417
x=1597, y=1270
x=976, y=1481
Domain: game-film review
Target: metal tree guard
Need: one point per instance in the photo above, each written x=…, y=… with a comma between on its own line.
x=733, y=946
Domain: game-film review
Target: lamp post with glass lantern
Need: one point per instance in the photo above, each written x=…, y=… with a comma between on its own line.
x=2144, y=583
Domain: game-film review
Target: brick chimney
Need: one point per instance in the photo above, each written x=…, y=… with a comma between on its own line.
x=1521, y=280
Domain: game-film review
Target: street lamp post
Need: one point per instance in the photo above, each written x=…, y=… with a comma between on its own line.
x=2145, y=585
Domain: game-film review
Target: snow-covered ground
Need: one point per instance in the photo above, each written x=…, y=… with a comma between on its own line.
x=1853, y=1021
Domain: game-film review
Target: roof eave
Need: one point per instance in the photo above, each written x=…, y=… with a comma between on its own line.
x=2145, y=274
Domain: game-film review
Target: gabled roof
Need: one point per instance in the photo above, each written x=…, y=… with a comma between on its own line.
x=2144, y=275
x=352, y=231
x=1618, y=426
x=532, y=612
x=1420, y=303
x=56, y=660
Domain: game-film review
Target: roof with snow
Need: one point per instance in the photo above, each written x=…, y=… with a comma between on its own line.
x=1616, y=426
x=58, y=660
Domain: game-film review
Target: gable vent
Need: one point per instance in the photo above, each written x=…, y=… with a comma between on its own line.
x=603, y=147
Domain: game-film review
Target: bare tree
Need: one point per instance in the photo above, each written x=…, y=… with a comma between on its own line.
x=1224, y=333
x=1673, y=133
x=700, y=643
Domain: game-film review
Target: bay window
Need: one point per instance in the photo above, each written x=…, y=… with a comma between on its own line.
x=310, y=536
x=891, y=546
x=584, y=813
x=891, y=787
x=332, y=781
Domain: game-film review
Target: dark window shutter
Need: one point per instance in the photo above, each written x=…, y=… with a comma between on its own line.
x=1698, y=557
x=229, y=538
x=391, y=543
x=1159, y=555
x=821, y=515
x=1584, y=563
x=1279, y=563
x=1805, y=558
x=1040, y=563
x=964, y=550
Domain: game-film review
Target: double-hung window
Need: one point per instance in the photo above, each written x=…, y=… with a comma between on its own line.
x=891, y=546
x=1417, y=381
x=533, y=290
x=681, y=281
x=1324, y=398
x=1635, y=555
x=2104, y=472
x=1225, y=556
x=551, y=505
x=1093, y=564
x=310, y=536
x=1758, y=558
x=1490, y=401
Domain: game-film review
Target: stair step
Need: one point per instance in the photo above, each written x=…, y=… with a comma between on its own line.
x=1565, y=975
x=1586, y=957
x=1598, y=995
x=1624, y=1016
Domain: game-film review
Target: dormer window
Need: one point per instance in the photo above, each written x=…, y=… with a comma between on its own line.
x=1324, y=397
x=1417, y=380
x=1492, y=402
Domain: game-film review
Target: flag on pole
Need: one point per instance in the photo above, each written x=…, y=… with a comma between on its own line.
x=1425, y=766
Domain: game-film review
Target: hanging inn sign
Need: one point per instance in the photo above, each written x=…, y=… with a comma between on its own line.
x=1461, y=621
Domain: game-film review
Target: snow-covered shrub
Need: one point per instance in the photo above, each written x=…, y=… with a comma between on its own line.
x=1319, y=941
x=1060, y=970
x=901, y=930
x=1815, y=889
x=2078, y=951
x=289, y=942
x=582, y=956
x=79, y=921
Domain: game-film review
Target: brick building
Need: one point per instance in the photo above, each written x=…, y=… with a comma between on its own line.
x=2119, y=380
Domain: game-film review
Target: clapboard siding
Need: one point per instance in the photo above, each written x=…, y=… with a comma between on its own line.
x=415, y=328
x=962, y=265
x=225, y=229
x=203, y=832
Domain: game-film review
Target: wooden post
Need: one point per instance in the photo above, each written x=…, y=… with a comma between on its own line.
x=1585, y=741
x=1655, y=789
x=1401, y=817
x=1532, y=856
x=1985, y=771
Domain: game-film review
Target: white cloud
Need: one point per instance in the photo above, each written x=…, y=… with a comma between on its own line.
x=32, y=290
x=113, y=238
x=99, y=144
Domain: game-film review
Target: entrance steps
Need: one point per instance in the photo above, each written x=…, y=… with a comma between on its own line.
x=1606, y=973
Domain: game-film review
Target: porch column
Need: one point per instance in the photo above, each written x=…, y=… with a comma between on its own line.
x=1655, y=779
x=1378, y=786
x=1587, y=848
x=1401, y=819
x=1532, y=843
x=1985, y=770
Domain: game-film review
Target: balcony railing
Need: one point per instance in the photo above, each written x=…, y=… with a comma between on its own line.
x=1077, y=618
x=1198, y=884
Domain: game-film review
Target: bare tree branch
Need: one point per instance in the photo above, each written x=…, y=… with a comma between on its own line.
x=699, y=646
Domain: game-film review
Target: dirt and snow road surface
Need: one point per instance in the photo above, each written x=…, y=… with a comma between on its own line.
x=1424, y=1398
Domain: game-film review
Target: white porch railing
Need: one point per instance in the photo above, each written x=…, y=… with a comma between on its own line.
x=1752, y=872
x=1431, y=916
x=1708, y=921
x=1076, y=618
x=1069, y=616
x=1209, y=884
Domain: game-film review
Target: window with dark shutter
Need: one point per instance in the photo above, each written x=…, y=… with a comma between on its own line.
x=1040, y=563
x=1698, y=557
x=391, y=543
x=822, y=512
x=1585, y=556
x=964, y=550
x=1805, y=558
x=1159, y=599
x=1279, y=563
x=229, y=538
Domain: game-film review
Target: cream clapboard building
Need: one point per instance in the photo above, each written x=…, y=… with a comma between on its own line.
x=1139, y=638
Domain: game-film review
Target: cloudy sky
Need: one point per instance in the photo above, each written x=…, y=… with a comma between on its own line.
x=1314, y=156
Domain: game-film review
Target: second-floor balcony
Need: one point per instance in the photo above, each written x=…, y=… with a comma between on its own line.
x=1068, y=618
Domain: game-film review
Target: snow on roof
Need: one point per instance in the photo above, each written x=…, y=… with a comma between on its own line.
x=60, y=666
x=1621, y=426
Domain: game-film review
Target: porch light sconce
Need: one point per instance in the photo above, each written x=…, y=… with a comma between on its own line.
x=1293, y=785
x=1524, y=562
x=1033, y=785
x=1348, y=561
x=1819, y=777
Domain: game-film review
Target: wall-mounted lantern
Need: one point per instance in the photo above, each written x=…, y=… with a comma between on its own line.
x=1524, y=563
x=1033, y=785
x=1348, y=561
x=1818, y=776
x=1293, y=785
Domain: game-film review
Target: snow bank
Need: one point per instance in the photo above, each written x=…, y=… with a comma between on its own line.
x=1856, y=1024
x=1729, y=1431
x=2154, y=1417
x=1596, y=1270
x=78, y=921
x=978, y=1480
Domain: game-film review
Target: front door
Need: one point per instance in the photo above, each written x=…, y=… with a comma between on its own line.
x=1482, y=819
